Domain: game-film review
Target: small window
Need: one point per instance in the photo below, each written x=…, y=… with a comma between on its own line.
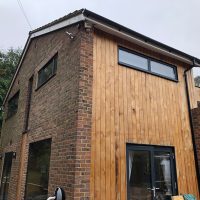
x=38, y=170
x=146, y=64
x=47, y=71
x=13, y=105
x=132, y=59
x=163, y=69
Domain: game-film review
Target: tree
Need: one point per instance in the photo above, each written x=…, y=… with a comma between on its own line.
x=8, y=63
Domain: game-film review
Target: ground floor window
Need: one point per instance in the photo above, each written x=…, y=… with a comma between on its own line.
x=38, y=170
x=5, y=179
x=151, y=172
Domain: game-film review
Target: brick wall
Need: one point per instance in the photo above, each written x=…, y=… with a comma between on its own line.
x=60, y=109
x=84, y=123
x=196, y=124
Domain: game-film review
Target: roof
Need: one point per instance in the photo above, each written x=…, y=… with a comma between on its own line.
x=109, y=26
x=70, y=15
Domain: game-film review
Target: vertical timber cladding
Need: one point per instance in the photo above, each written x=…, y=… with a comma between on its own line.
x=130, y=106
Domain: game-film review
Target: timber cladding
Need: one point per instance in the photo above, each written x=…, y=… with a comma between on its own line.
x=130, y=106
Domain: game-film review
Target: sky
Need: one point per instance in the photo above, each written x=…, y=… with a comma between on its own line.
x=173, y=22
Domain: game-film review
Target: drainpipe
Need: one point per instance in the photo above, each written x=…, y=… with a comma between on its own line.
x=191, y=123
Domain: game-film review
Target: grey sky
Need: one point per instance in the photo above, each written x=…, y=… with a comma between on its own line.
x=173, y=22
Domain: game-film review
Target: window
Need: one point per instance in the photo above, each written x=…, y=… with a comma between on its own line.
x=47, y=71
x=133, y=60
x=163, y=69
x=38, y=170
x=146, y=64
x=13, y=105
x=5, y=178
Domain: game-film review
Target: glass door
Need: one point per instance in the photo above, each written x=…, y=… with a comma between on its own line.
x=150, y=173
x=139, y=175
x=5, y=180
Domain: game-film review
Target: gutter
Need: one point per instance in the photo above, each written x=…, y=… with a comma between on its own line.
x=191, y=123
x=135, y=40
x=106, y=22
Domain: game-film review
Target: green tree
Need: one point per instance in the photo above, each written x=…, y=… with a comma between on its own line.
x=8, y=62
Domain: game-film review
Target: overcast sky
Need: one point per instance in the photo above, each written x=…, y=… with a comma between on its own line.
x=173, y=22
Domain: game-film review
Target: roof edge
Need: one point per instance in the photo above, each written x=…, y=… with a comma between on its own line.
x=91, y=15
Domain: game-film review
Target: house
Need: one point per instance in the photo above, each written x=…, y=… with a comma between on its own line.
x=101, y=111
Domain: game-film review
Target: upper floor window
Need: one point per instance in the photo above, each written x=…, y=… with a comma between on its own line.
x=13, y=105
x=146, y=64
x=47, y=71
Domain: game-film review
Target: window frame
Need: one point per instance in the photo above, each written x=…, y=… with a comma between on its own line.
x=28, y=164
x=149, y=59
x=13, y=113
x=55, y=57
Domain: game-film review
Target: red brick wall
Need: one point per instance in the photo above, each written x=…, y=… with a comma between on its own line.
x=60, y=109
x=196, y=124
x=84, y=123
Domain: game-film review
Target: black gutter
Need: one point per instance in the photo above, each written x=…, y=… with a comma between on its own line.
x=137, y=35
x=191, y=125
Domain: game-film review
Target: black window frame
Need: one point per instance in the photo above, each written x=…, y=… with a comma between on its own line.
x=29, y=162
x=154, y=148
x=9, y=112
x=149, y=59
x=53, y=59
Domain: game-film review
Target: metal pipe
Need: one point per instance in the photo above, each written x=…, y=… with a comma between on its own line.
x=191, y=123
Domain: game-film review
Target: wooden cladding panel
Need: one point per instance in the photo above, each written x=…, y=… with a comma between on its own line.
x=134, y=107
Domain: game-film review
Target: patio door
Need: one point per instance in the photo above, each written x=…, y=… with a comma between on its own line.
x=150, y=173
x=5, y=179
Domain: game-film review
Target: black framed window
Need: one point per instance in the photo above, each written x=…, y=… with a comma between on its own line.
x=38, y=170
x=47, y=71
x=131, y=59
x=151, y=172
x=137, y=61
x=13, y=105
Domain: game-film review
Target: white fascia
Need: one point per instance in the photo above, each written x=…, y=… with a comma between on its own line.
x=59, y=25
